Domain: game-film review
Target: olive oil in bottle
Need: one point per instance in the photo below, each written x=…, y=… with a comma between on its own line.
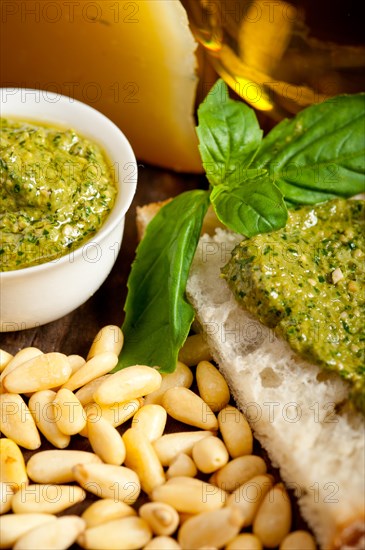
x=281, y=56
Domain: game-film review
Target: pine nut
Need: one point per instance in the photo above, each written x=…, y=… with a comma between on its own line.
x=152, y=420
x=6, y=496
x=210, y=454
x=273, y=519
x=44, y=414
x=93, y=368
x=191, y=495
x=5, y=359
x=12, y=465
x=19, y=358
x=109, y=481
x=298, y=539
x=42, y=372
x=70, y=416
x=46, y=498
x=162, y=518
x=190, y=482
x=209, y=517
x=182, y=465
x=236, y=431
x=194, y=350
x=162, y=543
x=250, y=495
x=246, y=541
x=58, y=535
x=210, y=529
x=17, y=423
x=105, y=440
x=76, y=362
x=143, y=459
x=127, y=384
x=85, y=394
x=105, y=510
x=169, y=446
x=115, y=414
x=184, y=405
x=109, y=338
x=14, y=526
x=22, y=356
x=56, y=466
x=213, y=388
x=130, y=533
x=238, y=471
x=182, y=376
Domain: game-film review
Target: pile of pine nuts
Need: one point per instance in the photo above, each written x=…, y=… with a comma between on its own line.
x=205, y=488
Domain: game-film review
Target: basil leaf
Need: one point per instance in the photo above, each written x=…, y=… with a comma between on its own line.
x=256, y=206
x=158, y=317
x=229, y=134
x=319, y=154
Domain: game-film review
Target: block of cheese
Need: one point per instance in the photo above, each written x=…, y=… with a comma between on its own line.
x=134, y=60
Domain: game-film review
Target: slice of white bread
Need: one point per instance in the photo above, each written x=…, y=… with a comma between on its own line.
x=291, y=404
x=296, y=411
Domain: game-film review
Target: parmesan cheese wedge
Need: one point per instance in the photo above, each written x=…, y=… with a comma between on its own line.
x=133, y=60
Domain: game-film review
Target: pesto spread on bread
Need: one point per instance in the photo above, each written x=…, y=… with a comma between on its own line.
x=307, y=281
x=57, y=189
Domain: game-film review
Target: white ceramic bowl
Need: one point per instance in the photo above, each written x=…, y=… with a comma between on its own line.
x=43, y=293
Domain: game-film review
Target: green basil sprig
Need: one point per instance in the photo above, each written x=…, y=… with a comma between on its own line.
x=229, y=135
x=319, y=154
x=251, y=207
x=158, y=316
x=316, y=156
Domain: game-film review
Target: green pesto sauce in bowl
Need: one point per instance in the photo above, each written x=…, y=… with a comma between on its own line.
x=307, y=281
x=56, y=190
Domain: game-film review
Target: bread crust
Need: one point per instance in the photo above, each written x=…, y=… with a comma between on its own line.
x=351, y=536
x=144, y=215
